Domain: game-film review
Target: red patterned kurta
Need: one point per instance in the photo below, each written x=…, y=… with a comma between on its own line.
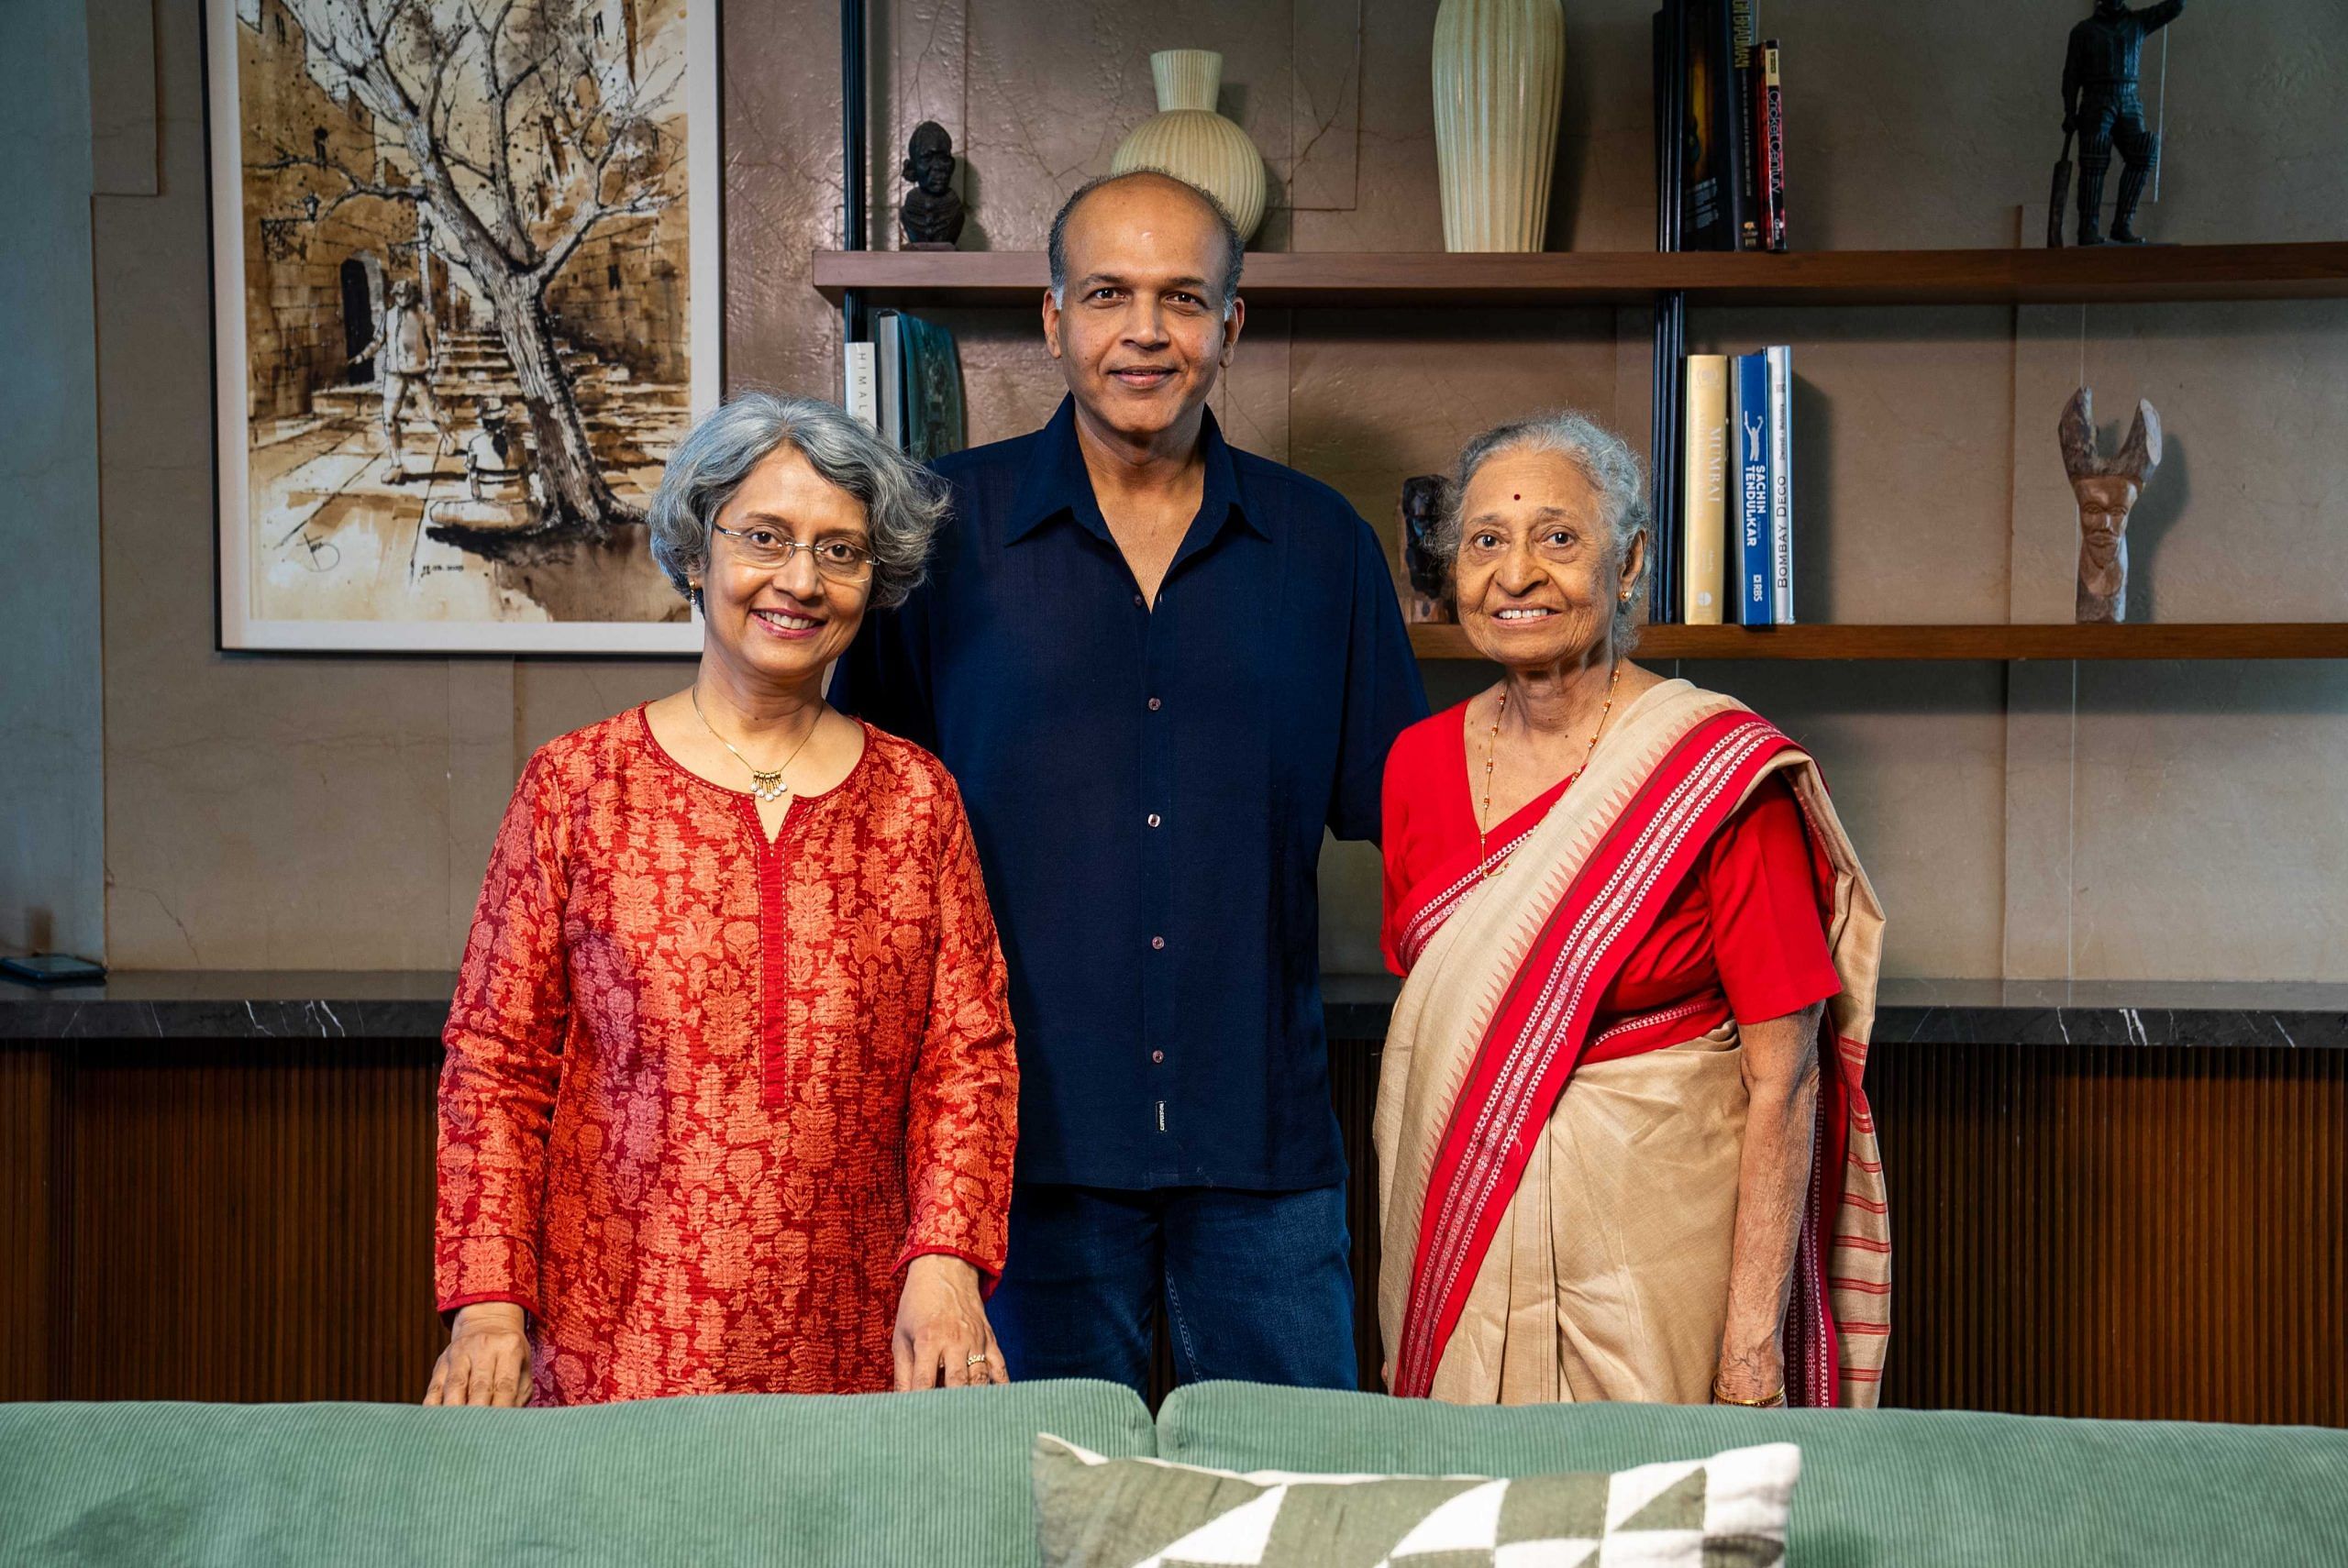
x=705, y=1096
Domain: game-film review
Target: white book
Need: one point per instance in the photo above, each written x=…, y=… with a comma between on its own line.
x=1781, y=481
x=859, y=394
x=892, y=379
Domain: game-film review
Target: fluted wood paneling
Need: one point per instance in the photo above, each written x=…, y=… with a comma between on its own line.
x=30, y=1202
x=2117, y=1231
x=2125, y=1232
x=252, y=1220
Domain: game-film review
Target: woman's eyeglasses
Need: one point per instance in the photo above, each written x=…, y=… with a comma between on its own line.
x=769, y=551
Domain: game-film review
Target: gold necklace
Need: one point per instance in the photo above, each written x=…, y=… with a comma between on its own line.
x=767, y=787
x=1492, y=750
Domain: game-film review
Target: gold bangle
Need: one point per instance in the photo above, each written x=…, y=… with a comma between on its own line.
x=1771, y=1403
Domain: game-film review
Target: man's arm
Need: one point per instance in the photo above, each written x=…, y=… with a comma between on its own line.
x=1384, y=695
x=2152, y=18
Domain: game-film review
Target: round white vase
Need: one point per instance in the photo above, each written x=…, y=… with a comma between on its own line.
x=1500, y=74
x=1187, y=139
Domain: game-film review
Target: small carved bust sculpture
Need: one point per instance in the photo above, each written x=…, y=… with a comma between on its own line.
x=1431, y=592
x=2106, y=489
x=931, y=213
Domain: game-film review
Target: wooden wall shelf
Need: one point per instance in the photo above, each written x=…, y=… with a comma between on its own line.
x=2281, y=639
x=2136, y=274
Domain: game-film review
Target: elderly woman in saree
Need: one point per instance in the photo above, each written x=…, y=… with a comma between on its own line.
x=729, y=1096
x=1623, y=1150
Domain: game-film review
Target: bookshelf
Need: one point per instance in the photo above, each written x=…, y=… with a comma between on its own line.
x=2201, y=640
x=2105, y=274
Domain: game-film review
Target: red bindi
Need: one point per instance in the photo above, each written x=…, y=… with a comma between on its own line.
x=1516, y=498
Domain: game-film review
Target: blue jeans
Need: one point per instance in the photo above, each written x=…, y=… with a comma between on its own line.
x=1257, y=1285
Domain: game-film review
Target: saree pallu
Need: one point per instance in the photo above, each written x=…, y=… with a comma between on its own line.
x=1557, y=1191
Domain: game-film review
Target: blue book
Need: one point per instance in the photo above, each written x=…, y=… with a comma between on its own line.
x=1752, y=529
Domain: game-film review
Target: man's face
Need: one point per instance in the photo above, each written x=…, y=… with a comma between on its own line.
x=936, y=167
x=2104, y=505
x=1140, y=333
x=2110, y=8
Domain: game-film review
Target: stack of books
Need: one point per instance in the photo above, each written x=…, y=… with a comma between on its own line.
x=907, y=384
x=1720, y=169
x=1734, y=557
x=1721, y=84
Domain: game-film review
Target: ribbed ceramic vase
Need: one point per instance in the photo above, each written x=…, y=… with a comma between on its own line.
x=1187, y=139
x=1500, y=74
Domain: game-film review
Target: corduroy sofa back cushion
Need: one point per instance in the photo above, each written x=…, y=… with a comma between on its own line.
x=915, y=1480
x=1879, y=1487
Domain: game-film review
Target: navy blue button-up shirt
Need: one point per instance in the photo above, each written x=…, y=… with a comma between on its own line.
x=1149, y=788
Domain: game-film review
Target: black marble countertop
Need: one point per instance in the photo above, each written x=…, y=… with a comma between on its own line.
x=231, y=1004
x=412, y=1005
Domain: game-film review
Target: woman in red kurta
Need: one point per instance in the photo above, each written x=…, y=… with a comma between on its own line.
x=729, y=1099
x=1623, y=1154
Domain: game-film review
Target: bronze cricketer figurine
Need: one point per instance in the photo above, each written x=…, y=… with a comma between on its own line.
x=2101, y=106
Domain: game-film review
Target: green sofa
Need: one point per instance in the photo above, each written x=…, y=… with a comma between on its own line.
x=939, y=1480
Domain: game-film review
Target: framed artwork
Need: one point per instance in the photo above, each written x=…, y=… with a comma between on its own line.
x=466, y=300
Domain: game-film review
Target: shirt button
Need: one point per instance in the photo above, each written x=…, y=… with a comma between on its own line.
x=1154, y=704
x=1153, y=819
x=1157, y=942
x=1137, y=599
x=1158, y=1056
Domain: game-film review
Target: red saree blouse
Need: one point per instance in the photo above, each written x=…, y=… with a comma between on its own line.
x=705, y=1096
x=1744, y=925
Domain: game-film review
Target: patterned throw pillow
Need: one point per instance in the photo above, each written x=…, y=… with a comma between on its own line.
x=1728, y=1512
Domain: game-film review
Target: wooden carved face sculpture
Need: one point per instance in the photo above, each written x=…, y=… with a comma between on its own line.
x=2106, y=489
x=1422, y=498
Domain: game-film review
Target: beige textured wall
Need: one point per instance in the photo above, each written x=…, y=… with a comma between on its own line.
x=2123, y=821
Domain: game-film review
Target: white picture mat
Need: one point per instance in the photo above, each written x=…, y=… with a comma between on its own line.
x=240, y=629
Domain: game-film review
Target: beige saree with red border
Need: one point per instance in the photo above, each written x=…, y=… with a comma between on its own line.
x=1557, y=1191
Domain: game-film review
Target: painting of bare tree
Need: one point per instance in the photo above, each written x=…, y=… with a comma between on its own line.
x=465, y=281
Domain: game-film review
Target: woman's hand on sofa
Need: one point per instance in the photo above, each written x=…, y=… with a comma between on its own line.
x=942, y=1331
x=488, y=1358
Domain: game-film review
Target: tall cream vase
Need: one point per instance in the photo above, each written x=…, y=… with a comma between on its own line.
x=1500, y=73
x=1187, y=139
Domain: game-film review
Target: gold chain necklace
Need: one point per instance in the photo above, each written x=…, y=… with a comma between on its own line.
x=767, y=787
x=1492, y=750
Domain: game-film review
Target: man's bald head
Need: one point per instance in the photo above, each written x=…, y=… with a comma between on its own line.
x=1143, y=183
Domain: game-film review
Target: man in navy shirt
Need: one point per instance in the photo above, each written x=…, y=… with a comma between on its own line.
x=1159, y=668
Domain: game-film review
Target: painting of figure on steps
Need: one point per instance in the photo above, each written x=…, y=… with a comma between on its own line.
x=465, y=299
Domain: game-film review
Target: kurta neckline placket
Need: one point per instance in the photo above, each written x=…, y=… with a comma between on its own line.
x=766, y=854
x=774, y=974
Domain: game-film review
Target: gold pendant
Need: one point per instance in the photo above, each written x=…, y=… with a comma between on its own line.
x=768, y=787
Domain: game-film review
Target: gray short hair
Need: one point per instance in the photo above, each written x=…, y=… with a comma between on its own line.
x=902, y=504
x=1235, y=249
x=1605, y=460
